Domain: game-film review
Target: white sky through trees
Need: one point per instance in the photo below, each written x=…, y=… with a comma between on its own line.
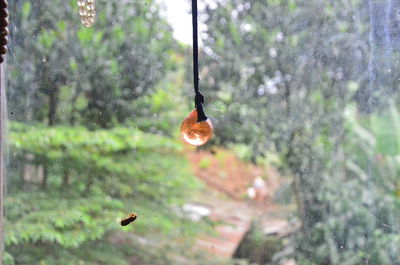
x=178, y=14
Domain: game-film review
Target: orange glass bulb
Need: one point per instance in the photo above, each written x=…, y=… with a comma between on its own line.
x=196, y=133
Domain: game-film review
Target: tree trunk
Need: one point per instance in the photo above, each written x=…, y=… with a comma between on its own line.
x=53, y=101
x=66, y=178
x=45, y=177
x=89, y=184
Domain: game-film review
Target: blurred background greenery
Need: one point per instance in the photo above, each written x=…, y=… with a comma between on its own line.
x=307, y=86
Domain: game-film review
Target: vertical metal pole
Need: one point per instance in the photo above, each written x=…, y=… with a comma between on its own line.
x=2, y=158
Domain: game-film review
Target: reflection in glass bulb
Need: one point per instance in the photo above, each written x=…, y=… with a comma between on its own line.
x=196, y=133
x=87, y=12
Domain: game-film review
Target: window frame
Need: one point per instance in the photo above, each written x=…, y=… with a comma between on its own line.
x=3, y=118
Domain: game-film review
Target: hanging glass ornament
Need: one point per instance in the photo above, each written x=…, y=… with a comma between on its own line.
x=87, y=12
x=196, y=129
x=194, y=132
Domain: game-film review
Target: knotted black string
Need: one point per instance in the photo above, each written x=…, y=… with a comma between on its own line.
x=199, y=98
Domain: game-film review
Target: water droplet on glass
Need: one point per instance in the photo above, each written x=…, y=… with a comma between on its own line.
x=279, y=37
x=273, y=53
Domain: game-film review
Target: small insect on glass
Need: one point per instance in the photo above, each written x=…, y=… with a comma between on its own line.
x=87, y=12
x=131, y=218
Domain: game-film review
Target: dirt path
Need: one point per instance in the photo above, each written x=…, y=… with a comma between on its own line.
x=224, y=172
x=228, y=179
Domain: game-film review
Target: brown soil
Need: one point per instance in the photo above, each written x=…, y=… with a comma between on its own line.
x=226, y=173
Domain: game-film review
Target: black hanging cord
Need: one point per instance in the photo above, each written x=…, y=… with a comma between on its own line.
x=199, y=98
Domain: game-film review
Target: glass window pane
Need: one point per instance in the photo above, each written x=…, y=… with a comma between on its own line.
x=302, y=167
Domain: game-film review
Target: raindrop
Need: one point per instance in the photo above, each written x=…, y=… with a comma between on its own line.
x=279, y=37
x=273, y=53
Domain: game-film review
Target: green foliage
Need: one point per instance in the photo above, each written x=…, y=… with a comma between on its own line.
x=163, y=111
x=65, y=222
x=106, y=67
x=302, y=84
x=282, y=75
x=257, y=247
x=69, y=186
x=205, y=163
x=362, y=224
x=94, y=178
